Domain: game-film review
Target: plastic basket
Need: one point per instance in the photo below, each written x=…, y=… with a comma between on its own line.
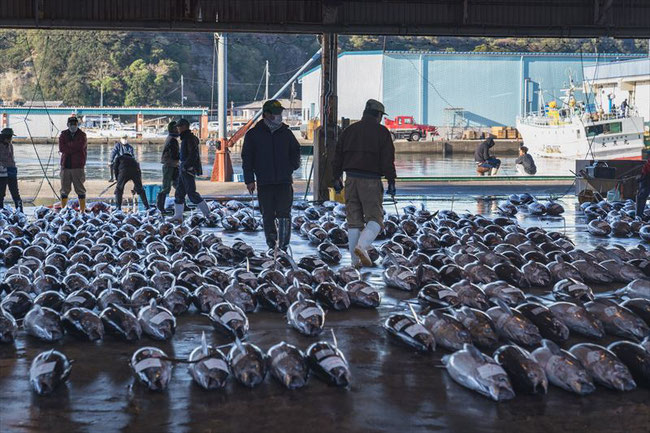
x=151, y=191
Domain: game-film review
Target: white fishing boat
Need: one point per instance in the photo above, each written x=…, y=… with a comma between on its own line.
x=571, y=131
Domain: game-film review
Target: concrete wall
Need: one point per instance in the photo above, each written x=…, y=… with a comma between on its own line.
x=359, y=80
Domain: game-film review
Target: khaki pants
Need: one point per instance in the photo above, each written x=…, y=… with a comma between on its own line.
x=73, y=177
x=363, y=201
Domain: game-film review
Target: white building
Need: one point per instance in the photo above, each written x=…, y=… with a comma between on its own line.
x=487, y=89
x=292, y=109
x=612, y=83
x=360, y=76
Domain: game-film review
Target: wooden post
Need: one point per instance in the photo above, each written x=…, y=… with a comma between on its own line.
x=139, y=123
x=327, y=134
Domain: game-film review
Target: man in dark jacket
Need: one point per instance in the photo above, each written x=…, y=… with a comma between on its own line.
x=485, y=159
x=525, y=164
x=73, y=147
x=189, y=168
x=644, y=191
x=120, y=148
x=128, y=169
x=170, y=159
x=269, y=156
x=365, y=152
x=8, y=170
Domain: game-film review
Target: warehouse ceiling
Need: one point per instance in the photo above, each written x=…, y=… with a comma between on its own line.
x=550, y=18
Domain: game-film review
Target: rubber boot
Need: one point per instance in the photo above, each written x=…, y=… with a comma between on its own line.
x=145, y=201
x=160, y=202
x=353, y=240
x=271, y=236
x=203, y=207
x=64, y=202
x=82, y=205
x=284, y=233
x=19, y=206
x=178, y=213
x=368, y=235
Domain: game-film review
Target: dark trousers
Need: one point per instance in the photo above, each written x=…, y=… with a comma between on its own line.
x=186, y=187
x=642, y=197
x=275, y=202
x=122, y=178
x=491, y=163
x=170, y=178
x=12, y=182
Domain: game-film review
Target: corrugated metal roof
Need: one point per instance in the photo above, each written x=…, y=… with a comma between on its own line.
x=484, y=53
x=568, y=18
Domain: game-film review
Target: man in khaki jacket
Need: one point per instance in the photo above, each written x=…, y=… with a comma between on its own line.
x=365, y=152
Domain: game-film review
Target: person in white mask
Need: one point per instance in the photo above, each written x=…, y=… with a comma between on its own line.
x=270, y=155
x=73, y=147
x=120, y=148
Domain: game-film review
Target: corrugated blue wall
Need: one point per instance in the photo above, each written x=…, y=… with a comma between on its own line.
x=489, y=87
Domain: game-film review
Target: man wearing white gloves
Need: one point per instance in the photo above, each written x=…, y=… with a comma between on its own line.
x=365, y=152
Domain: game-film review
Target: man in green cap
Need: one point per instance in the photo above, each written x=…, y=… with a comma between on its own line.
x=8, y=170
x=170, y=159
x=269, y=156
x=365, y=152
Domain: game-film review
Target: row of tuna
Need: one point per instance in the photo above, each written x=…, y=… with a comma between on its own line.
x=210, y=368
x=617, y=219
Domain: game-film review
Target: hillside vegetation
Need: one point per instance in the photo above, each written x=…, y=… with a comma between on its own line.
x=136, y=68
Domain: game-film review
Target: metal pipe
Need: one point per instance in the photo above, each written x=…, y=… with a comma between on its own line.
x=295, y=76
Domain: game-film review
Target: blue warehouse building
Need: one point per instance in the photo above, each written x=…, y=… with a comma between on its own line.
x=480, y=89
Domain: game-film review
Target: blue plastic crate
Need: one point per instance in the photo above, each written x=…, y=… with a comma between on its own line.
x=151, y=191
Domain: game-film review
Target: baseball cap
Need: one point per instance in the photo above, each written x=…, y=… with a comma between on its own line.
x=375, y=105
x=7, y=132
x=272, y=106
x=183, y=122
x=73, y=119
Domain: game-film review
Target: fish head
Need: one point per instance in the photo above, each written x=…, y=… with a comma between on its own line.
x=620, y=378
x=43, y=384
x=500, y=388
x=250, y=374
x=293, y=381
x=538, y=378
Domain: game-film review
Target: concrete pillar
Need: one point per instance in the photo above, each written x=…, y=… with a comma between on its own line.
x=325, y=139
x=222, y=168
x=4, y=121
x=203, y=127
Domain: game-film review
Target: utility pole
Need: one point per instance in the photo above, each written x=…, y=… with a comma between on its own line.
x=222, y=169
x=214, y=59
x=101, y=104
x=267, y=74
x=182, y=92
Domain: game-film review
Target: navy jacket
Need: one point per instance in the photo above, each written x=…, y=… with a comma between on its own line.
x=190, y=158
x=270, y=158
x=482, y=152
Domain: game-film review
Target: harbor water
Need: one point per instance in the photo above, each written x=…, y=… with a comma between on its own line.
x=32, y=160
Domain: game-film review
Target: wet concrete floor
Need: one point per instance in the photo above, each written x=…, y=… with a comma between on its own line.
x=393, y=388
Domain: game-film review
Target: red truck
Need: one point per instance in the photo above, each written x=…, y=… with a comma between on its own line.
x=404, y=127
